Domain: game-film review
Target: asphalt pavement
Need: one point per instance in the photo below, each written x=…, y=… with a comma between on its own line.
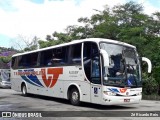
x=42, y=107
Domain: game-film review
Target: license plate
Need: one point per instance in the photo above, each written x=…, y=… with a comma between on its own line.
x=126, y=100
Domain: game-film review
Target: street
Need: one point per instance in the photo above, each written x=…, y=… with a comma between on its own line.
x=13, y=101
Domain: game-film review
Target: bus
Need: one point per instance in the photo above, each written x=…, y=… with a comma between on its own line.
x=5, y=78
x=94, y=70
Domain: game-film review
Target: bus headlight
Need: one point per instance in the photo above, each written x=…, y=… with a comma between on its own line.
x=109, y=93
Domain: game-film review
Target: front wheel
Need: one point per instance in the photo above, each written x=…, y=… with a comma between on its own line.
x=74, y=97
x=24, y=90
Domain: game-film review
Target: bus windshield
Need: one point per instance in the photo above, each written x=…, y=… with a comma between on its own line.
x=124, y=67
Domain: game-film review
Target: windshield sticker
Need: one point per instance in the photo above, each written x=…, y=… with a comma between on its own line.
x=129, y=83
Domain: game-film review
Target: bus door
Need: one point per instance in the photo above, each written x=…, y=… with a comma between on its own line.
x=96, y=88
x=91, y=61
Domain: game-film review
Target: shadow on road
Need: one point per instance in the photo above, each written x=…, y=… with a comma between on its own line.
x=83, y=104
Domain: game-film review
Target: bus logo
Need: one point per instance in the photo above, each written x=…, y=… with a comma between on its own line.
x=54, y=75
x=123, y=90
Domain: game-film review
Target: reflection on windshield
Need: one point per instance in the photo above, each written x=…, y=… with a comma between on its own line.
x=124, y=69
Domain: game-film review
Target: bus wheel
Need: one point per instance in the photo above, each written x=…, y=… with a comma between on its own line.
x=74, y=97
x=24, y=90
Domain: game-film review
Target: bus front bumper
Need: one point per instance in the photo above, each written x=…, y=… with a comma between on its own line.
x=121, y=100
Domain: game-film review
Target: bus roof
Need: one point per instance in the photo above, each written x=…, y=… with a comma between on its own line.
x=97, y=40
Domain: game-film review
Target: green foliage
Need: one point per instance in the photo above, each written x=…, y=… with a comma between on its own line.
x=150, y=85
x=44, y=44
x=33, y=47
x=156, y=74
x=5, y=59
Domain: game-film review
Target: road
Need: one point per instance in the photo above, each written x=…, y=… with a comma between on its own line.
x=13, y=101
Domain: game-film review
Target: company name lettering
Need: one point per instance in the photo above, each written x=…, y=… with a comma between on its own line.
x=34, y=73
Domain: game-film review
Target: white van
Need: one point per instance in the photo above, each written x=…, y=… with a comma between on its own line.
x=5, y=78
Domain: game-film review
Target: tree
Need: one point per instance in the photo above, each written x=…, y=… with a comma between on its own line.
x=48, y=37
x=33, y=45
x=25, y=43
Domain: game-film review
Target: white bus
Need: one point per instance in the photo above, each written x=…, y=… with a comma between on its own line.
x=5, y=78
x=93, y=70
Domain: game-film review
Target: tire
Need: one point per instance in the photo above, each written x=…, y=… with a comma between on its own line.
x=74, y=97
x=24, y=90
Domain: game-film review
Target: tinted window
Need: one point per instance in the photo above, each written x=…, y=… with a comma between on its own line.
x=91, y=62
x=87, y=59
x=60, y=56
x=54, y=57
x=33, y=61
x=22, y=61
x=46, y=57
x=13, y=64
x=75, y=54
x=28, y=61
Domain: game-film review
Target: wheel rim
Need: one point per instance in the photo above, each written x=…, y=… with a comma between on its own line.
x=24, y=90
x=74, y=96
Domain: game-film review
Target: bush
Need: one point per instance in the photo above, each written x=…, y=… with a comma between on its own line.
x=150, y=86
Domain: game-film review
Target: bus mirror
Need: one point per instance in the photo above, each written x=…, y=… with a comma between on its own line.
x=105, y=58
x=149, y=64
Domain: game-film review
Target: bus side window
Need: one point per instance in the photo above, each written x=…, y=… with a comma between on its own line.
x=46, y=57
x=23, y=61
x=60, y=56
x=75, y=54
x=14, y=63
x=33, y=59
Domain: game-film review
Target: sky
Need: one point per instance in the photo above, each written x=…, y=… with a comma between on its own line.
x=29, y=18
